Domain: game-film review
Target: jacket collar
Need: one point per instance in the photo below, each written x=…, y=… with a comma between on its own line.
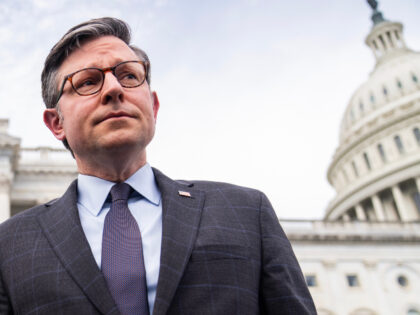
x=181, y=204
x=62, y=228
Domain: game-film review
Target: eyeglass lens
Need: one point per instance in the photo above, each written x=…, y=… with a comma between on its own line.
x=89, y=81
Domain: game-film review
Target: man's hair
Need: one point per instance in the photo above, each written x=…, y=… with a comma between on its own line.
x=73, y=40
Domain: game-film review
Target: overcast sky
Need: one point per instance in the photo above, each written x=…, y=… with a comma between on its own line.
x=251, y=91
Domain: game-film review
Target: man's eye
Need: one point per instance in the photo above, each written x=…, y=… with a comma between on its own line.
x=86, y=84
x=128, y=76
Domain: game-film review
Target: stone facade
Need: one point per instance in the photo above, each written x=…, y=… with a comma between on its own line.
x=29, y=177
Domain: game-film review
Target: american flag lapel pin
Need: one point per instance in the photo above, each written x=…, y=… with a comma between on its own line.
x=184, y=193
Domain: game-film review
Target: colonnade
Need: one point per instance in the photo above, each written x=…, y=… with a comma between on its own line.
x=404, y=210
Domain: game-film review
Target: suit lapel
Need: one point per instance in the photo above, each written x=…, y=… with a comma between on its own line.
x=181, y=218
x=62, y=228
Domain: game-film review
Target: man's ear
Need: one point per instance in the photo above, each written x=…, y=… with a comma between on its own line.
x=53, y=121
x=155, y=104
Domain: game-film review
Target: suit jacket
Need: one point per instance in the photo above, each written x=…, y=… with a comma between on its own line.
x=223, y=252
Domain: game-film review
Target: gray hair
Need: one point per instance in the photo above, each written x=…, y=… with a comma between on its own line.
x=71, y=41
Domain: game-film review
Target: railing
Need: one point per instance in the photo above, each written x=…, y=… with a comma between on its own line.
x=320, y=229
x=45, y=155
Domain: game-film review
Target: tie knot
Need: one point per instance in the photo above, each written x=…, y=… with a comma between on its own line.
x=120, y=191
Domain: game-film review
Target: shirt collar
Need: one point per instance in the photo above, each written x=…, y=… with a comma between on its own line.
x=93, y=191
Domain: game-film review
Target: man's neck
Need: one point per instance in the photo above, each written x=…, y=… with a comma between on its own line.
x=112, y=167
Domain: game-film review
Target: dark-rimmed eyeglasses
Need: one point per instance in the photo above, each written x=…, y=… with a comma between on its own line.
x=88, y=81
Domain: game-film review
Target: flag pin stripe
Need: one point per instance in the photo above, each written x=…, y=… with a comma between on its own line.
x=184, y=193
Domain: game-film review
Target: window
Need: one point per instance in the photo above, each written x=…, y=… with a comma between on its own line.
x=352, y=281
x=413, y=311
x=311, y=280
x=365, y=156
x=416, y=132
x=372, y=98
x=356, y=173
x=382, y=152
x=414, y=78
x=399, y=84
x=385, y=91
x=361, y=106
x=399, y=144
x=402, y=281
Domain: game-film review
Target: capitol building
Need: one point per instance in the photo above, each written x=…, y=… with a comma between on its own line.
x=363, y=257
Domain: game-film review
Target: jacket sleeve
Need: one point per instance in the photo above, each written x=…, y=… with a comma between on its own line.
x=283, y=289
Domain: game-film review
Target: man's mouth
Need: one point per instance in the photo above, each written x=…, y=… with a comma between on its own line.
x=116, y=115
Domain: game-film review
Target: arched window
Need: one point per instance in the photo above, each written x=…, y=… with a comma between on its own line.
x=414, y=78
x=365, y=156
x=382, y=152
x=416, y=132
x=384, y=89
x=399, y=84
x=399, y=144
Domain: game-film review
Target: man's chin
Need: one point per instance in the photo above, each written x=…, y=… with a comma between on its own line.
x=121, y=143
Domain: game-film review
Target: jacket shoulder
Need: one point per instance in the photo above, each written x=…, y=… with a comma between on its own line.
x=213, y=185
x=228, y=193
x=21, y=222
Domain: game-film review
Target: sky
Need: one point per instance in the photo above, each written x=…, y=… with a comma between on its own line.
x=251, y=92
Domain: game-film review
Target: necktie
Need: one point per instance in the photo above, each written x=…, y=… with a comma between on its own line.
x=122, y=255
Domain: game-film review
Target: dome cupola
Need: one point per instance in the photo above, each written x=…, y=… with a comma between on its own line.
x=376, y=167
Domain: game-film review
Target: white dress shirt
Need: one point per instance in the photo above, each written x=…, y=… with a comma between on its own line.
x=145, y=205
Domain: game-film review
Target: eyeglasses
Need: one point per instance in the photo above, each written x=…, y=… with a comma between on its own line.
x=88, y=81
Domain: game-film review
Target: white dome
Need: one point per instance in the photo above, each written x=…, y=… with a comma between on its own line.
x=396, y=76
x=376, y=167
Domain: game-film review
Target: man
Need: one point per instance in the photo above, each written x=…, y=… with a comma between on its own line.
x=124, y=238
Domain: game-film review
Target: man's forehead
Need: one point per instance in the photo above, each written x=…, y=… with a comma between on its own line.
x=96, y=51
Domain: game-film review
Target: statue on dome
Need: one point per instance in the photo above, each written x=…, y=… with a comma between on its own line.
x=373, y=4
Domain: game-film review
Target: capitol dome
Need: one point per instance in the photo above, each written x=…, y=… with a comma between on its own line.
x=376, y=167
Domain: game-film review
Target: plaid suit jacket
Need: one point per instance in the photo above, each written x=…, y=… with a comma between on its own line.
x=223, y=252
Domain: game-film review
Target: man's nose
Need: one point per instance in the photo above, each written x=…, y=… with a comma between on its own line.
x=112, y=91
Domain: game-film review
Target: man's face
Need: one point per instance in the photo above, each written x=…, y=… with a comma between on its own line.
x=114, y=118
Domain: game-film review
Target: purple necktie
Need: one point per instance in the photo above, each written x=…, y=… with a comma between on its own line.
x=122, y=255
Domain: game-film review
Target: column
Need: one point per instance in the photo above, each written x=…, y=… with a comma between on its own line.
x=418, y=184
x=377, y=206
x=399, y=201
x=395, y=39
x=374, y=49
x=4, y=199
x=380, y=44
x=360, y=213
x=387, y=41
